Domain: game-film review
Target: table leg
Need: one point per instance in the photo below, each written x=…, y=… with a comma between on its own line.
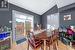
x=70, y=44
x=44, y=44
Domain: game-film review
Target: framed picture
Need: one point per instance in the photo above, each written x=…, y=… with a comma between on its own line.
x=4, y=5
x=67, y=17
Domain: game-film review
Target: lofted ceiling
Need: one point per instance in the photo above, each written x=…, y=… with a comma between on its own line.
x=40, y=6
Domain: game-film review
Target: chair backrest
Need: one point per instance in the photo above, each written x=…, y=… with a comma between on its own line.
x=69, y=31
x=31, y=37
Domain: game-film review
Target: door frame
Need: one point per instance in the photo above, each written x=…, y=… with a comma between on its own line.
x=14, y=22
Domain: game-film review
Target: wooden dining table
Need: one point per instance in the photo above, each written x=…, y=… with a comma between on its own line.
x=43, y=36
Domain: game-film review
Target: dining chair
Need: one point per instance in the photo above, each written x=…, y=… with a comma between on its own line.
x=34, y=42
x=54, y=41
x=56, y=36
x=49, y=42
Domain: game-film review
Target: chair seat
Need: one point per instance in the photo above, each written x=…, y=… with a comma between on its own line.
x=35, y=44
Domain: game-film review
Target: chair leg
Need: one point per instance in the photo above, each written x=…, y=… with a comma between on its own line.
x=57, y=42
x=49, y=47
x=28, y=47
x=46, y=48
x=54, y=46
x=42, y=47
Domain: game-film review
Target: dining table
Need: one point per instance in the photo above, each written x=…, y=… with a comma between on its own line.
x=43, y=36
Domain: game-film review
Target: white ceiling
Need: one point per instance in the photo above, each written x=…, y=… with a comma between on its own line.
x=61, y=3
x=40, y=6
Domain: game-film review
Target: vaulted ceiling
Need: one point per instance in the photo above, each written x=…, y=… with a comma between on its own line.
x=40, y=6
